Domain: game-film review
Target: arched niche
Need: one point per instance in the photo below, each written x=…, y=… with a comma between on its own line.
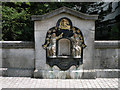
x=64, y=47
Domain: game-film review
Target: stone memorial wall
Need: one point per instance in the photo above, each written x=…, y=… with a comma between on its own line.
x=64, y=47
x=19, y=61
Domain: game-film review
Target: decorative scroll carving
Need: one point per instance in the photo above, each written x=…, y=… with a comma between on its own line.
x=64, y=31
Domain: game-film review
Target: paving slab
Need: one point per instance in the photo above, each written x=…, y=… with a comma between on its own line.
x=71, y=84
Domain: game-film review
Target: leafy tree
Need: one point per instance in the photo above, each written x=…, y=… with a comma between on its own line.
x=17, y=24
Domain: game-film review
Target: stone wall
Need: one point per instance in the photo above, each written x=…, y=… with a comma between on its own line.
x=107, y=54
x=18, y=59
x=107, y=58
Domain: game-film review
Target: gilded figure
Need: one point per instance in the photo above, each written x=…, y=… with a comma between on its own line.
x=51, y=49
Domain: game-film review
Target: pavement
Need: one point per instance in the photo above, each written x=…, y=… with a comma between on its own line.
x=71, y=84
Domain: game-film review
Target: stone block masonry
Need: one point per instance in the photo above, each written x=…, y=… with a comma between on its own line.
x=18, y=61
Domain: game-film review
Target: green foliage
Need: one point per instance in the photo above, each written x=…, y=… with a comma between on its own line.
x=17, y=24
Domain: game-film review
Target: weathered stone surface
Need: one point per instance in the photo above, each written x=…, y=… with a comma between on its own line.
x=107, y=44
x=72, y=74
x=20, y=72
x=107, y=73
x=106, y=58
x=64, y=47
x=88, y=74
x=17, y=72
x=40, y=54
x=18, y=58
x=0, y=57
x=17, y=44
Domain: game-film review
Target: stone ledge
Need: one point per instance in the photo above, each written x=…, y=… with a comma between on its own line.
x=28, y=44
x=16, y=44
x=107, y=44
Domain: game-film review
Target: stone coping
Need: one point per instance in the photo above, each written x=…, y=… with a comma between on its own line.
x=16, y=44
x=107, y=70
x=90, y=70
x=107, y=44
x=29, y=44
x=63, y=10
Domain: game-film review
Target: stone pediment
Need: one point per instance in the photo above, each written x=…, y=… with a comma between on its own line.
x=64, y=10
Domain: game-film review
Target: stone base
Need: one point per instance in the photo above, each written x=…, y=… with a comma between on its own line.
x=57, y=74
x=16, y=72
x=69, y=74
x=77, y=74
x=107, y=73
x=1, y=71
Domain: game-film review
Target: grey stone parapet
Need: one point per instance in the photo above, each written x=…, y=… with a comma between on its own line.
x=107, y=44
x=16, y=44
x=29, y=44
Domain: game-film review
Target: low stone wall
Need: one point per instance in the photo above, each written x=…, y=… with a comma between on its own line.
x=17, y=58
x=107, y=54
